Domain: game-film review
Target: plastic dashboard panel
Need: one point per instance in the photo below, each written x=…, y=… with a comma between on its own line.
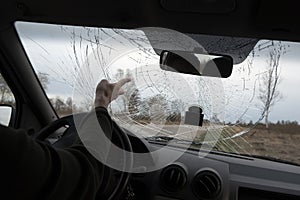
x=242, y=178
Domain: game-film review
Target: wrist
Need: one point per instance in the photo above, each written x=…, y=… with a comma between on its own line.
x=101, y=103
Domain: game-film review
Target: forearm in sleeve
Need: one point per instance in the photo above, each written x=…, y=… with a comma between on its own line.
x=34, y=170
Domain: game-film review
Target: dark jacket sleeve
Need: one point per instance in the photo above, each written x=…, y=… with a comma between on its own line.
x=34, y=170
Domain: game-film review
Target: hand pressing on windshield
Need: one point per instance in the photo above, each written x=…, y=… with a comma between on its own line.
x=107, y=92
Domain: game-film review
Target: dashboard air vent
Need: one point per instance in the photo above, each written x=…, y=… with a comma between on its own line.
x=173, y=178
x=206, y=185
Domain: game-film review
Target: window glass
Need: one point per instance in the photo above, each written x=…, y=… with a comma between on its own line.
x=254, y=112
x=7, y=102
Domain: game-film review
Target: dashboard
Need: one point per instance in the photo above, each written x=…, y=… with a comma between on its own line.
x=215, y=176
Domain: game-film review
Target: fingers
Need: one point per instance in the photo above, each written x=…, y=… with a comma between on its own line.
x=102, y=85
x=122, y=82
x=121, y=92
x=104, y=82
x=107, y=92
x=115, y=88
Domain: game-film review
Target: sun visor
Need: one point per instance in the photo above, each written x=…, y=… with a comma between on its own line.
x=237, y=48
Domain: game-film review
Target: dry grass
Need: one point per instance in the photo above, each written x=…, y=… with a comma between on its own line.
x=277, y=143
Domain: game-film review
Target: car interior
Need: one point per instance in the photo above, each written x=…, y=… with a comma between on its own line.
x=206, y=116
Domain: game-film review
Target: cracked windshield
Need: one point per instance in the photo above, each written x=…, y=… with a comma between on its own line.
x=253, y=112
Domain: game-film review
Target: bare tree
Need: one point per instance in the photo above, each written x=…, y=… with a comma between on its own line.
x=5, y=92
x=59, y=104
x=269, y=93
x=131, y=98
x=134, y=103
x=158, y=104
x=69, y=105
x=177, y=106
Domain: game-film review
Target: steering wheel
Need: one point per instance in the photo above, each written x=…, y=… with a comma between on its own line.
x=114, y=189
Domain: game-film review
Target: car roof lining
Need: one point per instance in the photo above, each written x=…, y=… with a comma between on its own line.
x=250, y=18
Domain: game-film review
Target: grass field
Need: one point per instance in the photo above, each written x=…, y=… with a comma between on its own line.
x=280, y=141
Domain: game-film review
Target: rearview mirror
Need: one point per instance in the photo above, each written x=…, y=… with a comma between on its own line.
x=6, y=112
x=196, y=63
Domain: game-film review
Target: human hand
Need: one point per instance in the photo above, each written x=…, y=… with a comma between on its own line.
x=107, y=92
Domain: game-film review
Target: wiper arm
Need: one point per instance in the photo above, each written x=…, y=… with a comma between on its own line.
x=271, y=159
x=168, y=139
x=160, y=138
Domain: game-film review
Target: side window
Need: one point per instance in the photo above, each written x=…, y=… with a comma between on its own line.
x=7, y=103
